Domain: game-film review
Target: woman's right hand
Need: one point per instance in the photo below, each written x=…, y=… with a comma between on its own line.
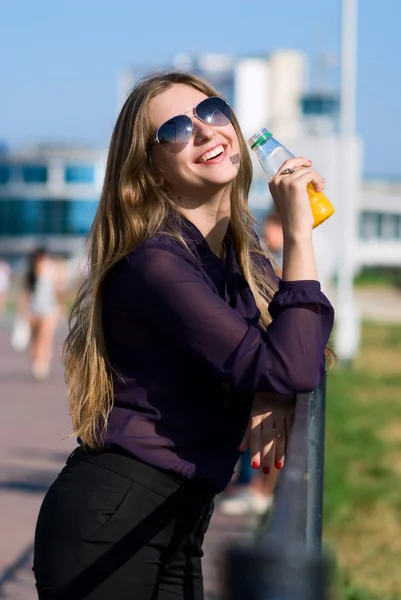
x=289, y=192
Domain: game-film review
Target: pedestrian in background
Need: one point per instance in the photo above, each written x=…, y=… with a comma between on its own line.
x=181, y=322
x=273, y=239
x=41, y=305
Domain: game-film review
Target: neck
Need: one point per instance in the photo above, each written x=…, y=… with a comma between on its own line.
x=211, y=217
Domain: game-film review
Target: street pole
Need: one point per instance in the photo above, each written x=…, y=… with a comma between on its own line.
x=349, y=30
x=347, y=330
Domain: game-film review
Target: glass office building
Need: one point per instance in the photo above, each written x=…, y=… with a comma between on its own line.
x=48, y=195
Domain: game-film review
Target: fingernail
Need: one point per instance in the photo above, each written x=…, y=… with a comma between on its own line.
x=266, y=470
x=255, y=465
x=278, y=464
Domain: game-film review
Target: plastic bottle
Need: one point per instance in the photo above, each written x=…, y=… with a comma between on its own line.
x=271, y=156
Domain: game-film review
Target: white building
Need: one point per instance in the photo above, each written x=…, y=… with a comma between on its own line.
x=379, y=239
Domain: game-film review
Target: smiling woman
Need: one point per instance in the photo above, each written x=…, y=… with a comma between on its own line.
x=181, y=321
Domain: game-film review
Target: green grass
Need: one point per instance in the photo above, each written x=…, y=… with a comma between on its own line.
x=378, y=276
x=362, y=521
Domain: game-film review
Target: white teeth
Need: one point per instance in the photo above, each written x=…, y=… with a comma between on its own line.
x=211, y=154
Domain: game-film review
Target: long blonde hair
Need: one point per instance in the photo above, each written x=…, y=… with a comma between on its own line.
x=133, y=207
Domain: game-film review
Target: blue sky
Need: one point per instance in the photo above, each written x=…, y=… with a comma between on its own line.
x=59, y=59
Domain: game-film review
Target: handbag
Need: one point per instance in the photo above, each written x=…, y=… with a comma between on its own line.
x=21, y=334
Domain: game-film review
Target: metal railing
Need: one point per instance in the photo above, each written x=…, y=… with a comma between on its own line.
x=285, y=560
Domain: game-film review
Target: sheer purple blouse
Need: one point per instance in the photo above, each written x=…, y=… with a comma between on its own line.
x=187, y=352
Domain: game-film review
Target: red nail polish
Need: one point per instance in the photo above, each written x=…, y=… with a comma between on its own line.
x=266, y=470
x=278, y=464
x=255, y=465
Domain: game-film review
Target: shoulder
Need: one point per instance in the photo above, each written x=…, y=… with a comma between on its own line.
x=162, y=246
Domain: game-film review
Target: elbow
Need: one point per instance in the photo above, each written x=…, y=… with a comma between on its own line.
x=300, y=372
x=306, y=380
x=304, y=386
x=297, y=386
x=284, y=384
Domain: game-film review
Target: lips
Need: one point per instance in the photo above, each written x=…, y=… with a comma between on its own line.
x=211, y=153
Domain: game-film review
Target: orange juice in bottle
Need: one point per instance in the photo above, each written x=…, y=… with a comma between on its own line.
x=271, y=156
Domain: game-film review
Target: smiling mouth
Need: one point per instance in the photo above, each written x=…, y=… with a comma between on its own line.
x=214, y=153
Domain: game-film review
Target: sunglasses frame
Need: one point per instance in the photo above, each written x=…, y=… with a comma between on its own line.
x=194, y=114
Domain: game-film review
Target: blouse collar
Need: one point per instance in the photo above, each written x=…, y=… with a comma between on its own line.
x=191, y=233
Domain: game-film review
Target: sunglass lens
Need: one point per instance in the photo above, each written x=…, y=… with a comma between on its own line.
x=215, y=111
x=176, y=133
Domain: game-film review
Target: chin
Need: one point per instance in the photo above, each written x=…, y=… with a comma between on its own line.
x=223, y=178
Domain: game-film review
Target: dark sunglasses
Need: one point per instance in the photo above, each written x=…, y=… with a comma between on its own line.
x=175, y=133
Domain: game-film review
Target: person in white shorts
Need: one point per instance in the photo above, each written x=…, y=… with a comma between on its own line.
x=42, y=301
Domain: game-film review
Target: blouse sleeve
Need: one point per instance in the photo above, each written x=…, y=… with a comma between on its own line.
x=167, y=289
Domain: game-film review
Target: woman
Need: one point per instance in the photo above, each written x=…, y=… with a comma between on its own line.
x=41, y=302
x=169, y=341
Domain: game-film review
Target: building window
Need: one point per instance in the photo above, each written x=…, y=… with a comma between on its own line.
x=5, y=174
x=34, y=173
x=19, y=217
x=379, y=226
x=320, y=104
x=79, y=174
x=389, y=227
x=80, y=215
x=369, y=225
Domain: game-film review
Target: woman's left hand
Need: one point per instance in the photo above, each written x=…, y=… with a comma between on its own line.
x=268, y=430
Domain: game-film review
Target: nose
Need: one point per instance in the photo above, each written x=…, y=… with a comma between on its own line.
x=203, y=131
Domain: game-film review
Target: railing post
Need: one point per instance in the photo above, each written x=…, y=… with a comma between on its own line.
x=315, y=468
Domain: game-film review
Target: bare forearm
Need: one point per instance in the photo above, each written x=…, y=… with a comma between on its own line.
x=298, y=258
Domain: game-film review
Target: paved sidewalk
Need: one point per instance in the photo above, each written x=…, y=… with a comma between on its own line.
x=380, y=304
x=34, y=443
